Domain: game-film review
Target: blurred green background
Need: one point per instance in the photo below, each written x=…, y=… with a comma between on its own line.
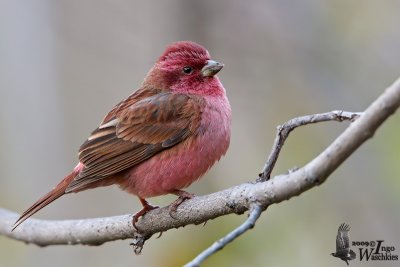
x=64, y=64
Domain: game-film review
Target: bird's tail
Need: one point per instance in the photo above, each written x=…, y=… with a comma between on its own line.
x=57, y=192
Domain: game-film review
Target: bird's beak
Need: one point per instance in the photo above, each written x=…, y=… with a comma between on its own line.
x=211, y=68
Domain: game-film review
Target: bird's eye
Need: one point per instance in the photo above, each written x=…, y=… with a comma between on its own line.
x=187, y=70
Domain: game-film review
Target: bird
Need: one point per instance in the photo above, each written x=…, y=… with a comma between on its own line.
x=343, y=250
x=161, y=138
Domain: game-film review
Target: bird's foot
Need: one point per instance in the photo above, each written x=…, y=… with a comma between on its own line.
x=183, y=195
x=146, y=208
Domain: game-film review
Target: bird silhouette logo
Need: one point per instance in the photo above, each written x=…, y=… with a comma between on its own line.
x=343, y=250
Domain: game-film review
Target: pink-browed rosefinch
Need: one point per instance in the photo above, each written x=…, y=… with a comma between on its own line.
x=161, y=138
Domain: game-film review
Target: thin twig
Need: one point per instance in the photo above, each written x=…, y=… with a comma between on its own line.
x=255, y=213
x=283, y=131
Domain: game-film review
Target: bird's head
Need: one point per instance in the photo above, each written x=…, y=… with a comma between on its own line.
x=186, y=67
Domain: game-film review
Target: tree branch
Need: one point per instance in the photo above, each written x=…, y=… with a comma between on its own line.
x=237, y=199
x=283, y=131
x=255, y=212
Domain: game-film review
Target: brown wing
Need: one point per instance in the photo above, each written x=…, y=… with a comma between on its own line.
x=138, y=95
x=135, y=133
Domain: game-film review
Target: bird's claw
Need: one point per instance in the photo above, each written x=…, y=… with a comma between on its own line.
x=146, y=208
x=183, y=196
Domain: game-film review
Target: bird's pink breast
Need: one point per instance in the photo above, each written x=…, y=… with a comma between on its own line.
x=179, y=166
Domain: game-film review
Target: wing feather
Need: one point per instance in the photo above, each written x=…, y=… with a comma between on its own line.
x=135, y=133
x=342, y=237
